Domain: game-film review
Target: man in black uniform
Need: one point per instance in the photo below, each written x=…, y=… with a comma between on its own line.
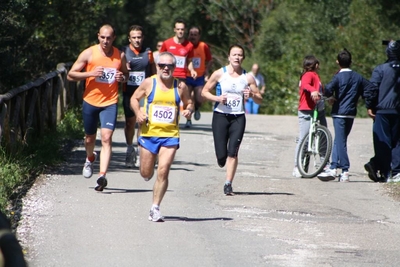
x=140, y=63
x=386, y=115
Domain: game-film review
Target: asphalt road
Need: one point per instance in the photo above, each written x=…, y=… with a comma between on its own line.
x=273, y=220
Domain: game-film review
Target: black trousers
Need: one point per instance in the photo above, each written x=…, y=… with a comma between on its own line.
x=228, y=131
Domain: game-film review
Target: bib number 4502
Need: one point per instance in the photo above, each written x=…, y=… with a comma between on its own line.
x=163, y=114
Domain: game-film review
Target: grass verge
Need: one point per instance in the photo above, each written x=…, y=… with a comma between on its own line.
x=28, y=160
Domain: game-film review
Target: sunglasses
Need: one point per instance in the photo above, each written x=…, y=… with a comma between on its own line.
x=170, y=66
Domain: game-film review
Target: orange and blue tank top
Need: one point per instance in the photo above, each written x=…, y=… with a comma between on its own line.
x=162, y=109
x=201, y=54
x=102, y=91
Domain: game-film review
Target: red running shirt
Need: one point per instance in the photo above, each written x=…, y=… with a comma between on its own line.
x=182, y=53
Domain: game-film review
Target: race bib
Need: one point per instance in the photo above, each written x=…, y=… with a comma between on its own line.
x=136, y=78
x=180, y=62
x=108, y=76
x=163, y=114
x=196, y=62
x=234, y=102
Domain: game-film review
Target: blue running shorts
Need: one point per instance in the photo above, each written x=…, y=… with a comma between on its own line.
x=153, y=144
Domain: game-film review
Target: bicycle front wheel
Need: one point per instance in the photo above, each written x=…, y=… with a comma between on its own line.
x=312, y=159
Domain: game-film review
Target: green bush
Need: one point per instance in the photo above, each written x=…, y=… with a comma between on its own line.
x=20, y=168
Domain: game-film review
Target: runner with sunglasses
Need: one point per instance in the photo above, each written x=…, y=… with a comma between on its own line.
x=159, y=122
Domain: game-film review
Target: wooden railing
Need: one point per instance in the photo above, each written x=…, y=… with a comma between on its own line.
x=37, y=106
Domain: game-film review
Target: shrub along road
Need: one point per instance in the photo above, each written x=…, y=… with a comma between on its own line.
x=273, y=220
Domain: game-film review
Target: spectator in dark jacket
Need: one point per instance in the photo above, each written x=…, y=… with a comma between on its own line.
x=386, y=114
x=344, y=91
x=10, y=250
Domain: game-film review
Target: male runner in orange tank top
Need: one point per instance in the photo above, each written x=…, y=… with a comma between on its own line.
x=202, y=62
x=104, y=68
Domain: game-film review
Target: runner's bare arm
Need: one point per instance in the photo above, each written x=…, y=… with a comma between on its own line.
x=193, y=73
x=186, y=99
x=76, y=74
x=254, y=91
x=210, y=85
x=143, y=90
x=123, y=74
x=208, y=68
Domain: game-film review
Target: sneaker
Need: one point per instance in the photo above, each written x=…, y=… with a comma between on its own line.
x=327, y=166
x=394, y=179
x=197, y=114
x=370, y=168
x=87, y=171
x=328, y=175
x=137, y=163
x=344, y=177
x=188, y=124
x=131, y=157
x=155, y=215
x=101, y=183
x=228, y=190
x=296, y=173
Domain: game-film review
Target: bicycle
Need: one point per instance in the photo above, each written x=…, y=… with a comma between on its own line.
x=315, y=148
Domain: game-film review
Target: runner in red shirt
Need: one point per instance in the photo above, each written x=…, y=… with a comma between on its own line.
x=182, y=49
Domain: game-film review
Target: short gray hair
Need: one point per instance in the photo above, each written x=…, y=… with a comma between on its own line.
x=169, y=54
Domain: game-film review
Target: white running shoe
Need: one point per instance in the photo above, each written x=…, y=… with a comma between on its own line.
x=296, y=173
x=155, y=215
x=327, y=175
x=394, y=179
x=344, y=177
x=87, y=170
x=137, y=163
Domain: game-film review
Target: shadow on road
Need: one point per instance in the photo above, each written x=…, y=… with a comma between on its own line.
x=262, y=193
x=123, y=190
x=186, y=219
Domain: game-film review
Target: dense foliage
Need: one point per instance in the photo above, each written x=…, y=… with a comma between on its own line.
x=277, y=34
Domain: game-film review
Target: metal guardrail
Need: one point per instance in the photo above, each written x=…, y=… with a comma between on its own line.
x=39, y=105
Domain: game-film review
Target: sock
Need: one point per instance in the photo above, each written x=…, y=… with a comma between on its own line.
x=154, y=206
x=228, y=182
x=92, y=158
x=102, y=174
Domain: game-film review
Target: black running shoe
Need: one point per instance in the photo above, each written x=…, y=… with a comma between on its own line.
x=228, y=190
x=370, y=168
x=101, y=183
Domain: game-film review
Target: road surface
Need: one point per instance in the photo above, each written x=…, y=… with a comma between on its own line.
x=273, y=220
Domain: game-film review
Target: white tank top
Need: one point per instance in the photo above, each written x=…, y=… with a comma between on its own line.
x=233, y=87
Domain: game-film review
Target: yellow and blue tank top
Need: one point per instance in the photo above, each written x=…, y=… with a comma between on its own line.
x=162, y=109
